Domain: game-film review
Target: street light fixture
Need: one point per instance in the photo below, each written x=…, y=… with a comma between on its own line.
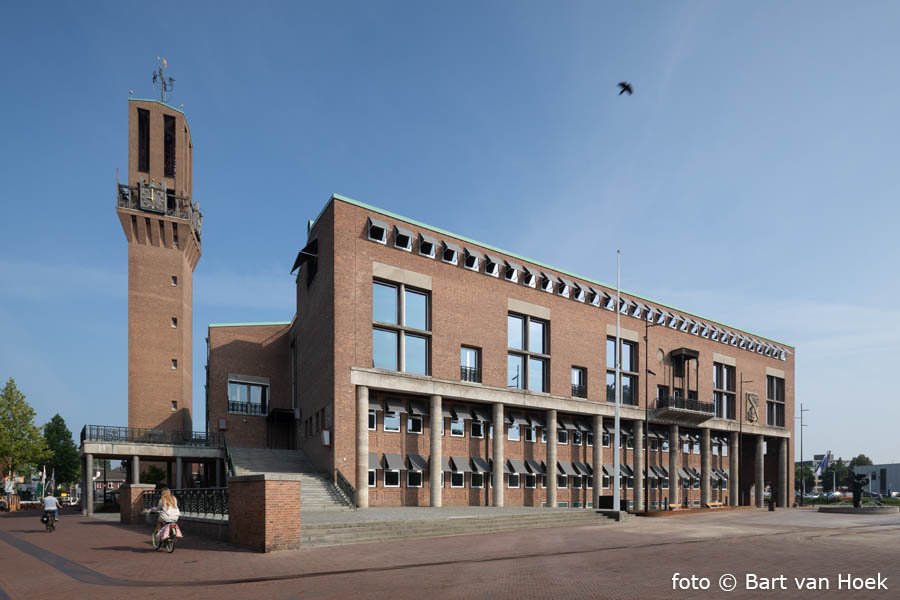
x=646, y=448
x=802, y=478
x=740, y=472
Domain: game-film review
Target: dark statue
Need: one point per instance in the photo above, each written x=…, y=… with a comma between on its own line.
x=856, y=483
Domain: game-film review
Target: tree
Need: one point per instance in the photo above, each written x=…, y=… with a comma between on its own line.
x=836, y=473
x=153, y=475
x=21, y=442
x=801, y=474
x=66, y=459
x=860, y=461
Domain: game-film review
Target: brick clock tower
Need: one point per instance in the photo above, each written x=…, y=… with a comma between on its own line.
x=162, y=225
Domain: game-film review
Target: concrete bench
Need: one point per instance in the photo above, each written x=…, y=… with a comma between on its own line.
x=715, y=505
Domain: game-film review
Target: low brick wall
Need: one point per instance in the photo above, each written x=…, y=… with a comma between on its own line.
x=264, y=511
x=131, y=508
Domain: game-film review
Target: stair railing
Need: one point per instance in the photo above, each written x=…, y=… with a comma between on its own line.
x=228, y=462
x=344, y=487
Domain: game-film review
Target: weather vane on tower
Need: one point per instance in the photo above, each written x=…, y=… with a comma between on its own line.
x=166, y=85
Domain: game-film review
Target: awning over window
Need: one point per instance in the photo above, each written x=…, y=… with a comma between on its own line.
x=446, y=412
x=652, y=474
x=373, y=461
x=660, y=470
x=684, y=474
x=394, y=462
x=723, y=474
x=566, y=468
x=375, y=405
x=445, y=464
x=582, y=468
x=566, y=282
x=309, y=252
x=518, y=418
x=582, y=426
x=417, y=462
x=460, y=464
x=566, y=423
x=514, y=266
x=536, y=420
x=462, y=413
x=491, y=259
x=482, y=413
x=536, y=467
x=452, y=247
x=627, y=471
x=418, y=408
x=404, y=231
x=397, y=406
x=481, y=465
x=518, y=466
x=373, y=222
x=473, y=253
x=608, y=470
x=428, y=240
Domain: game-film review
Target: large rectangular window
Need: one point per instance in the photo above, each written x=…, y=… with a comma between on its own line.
x=774, y=401
x=401, y=335
x=248, y=398
x=469, y=364
x=169, y=145
x=579, y=382
x=143, y=140
x=528, y=360
x=723, y=391
x=628, y=367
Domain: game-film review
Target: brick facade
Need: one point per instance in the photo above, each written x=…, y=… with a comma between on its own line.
x=131, y=506
x=264, y=512
x=258, y=351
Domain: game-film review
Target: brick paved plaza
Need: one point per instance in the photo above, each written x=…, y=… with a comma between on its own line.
x=635, y=559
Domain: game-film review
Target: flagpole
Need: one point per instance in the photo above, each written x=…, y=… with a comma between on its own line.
x=618, y=383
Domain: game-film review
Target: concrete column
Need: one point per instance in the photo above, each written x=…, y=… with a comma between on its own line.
x=638, y=466
x=734, y=477
x=597, y=464
x=551, y=458
x=705, y=466
x=782, y=472
x=362, y=446
x=674, y=463
x=435, y=466
x=759, y=468
x=499, y=438
x=218, y=464
x=179, y=473
x=135, y=469
x=89, y=489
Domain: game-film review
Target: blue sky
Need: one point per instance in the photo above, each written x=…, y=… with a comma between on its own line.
x=751, y=179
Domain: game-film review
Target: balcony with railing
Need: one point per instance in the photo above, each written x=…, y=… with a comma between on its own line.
x=206, y=503
x=684, y=410
x=132, y=435
x=579, y=391
x=159, y=200
x=247, y=408
x=470, y=374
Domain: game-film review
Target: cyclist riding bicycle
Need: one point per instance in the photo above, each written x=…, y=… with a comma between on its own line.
x=51, y=505
x=167, y=509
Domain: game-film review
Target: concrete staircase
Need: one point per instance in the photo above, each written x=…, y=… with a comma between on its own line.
x=317, y=493
x=341, y=533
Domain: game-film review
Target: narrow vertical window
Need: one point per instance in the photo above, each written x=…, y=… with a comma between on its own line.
x=169, y=145
x=143, y=140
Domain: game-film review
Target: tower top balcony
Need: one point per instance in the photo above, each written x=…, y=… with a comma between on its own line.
x=155, y=198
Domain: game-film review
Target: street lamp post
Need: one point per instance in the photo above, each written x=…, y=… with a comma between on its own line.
x=740, y=472
x=802, y=478
x=647, y=373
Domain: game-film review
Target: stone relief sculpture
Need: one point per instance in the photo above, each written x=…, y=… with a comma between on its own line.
x=752, y=407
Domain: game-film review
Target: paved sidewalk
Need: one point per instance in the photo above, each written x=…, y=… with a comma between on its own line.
x=636, y=559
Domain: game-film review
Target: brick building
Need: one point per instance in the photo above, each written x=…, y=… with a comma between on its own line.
x=429, y=369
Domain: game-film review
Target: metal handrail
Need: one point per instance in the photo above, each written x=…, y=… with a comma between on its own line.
x=344, y=486
x=470, y=374
x=133, y=435
x=192, y=501
x=579, y=391
x=181, y=208
x=247, y=408
x=686, y=404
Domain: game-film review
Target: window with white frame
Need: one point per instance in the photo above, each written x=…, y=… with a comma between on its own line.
x=578, y=293
x=530, y=434
x=562, y=436
x=605, y=481
x=248, y=398
x=511, y=272
x=457, y=479
x=373, y=420
x=391, y=421
x=629, y=368
x=775, y=403
x=724, y=391
x=371, y=477
x=476, y=430
x=512, y=480
x=378, y=230
x=588, y=438
x=473, y=260
x=529, y=279
x=546, y=283
x=401, y=330
x=414, y=424
x=391, y=478
x=477, y=480
x=564, y=287
x=513, y=434
x=450, y=253
x=562, y=481
x=605, y=440
x=457, y=427
x=530, y=481
x=577, y=482
x=403, y=238
x=427, y=246
x=664, y=483
x=576, y=438
x=414, y=479
x=491, y=266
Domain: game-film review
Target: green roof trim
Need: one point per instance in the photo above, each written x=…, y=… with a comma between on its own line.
x=158, y=102
x=522, y=258
x=248, y=324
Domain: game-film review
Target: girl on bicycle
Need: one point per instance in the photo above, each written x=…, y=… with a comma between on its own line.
x=167, y=509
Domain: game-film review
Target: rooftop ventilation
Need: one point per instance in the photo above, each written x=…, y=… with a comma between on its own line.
x=491, y=266
x=564, y=287
x=529, y=277
x=511, y=272
x=546, y=283
x=403, y=238
x=578, y=293
x=450, y=253
x=594, y=297
x=427, y=245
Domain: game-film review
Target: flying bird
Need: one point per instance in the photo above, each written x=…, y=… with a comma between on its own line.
x=625, y=88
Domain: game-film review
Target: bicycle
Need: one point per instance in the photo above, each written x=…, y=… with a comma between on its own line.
x=49, y=521
x=166, y=536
